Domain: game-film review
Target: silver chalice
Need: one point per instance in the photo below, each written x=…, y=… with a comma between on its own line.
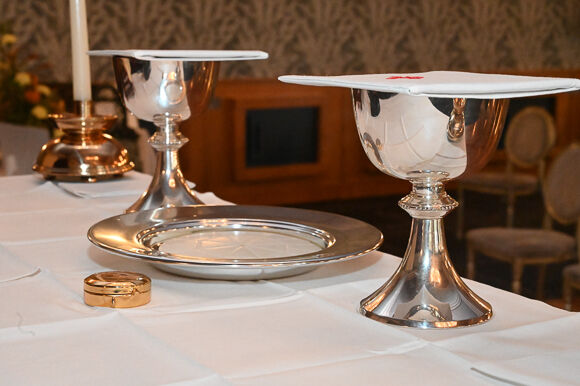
x=167, y=87
x=165, y=92
x=429, y=128
x=427, y=141
x=421, y=128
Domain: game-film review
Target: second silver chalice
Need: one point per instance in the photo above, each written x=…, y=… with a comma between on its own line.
x=167, y=87
x=429, y=128
x=427, y=141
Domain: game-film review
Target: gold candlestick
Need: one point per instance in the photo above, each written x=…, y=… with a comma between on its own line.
x=84, y=153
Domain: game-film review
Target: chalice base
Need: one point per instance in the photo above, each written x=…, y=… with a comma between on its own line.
x=425, y=291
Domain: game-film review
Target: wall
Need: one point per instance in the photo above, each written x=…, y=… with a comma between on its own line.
x=316, y=36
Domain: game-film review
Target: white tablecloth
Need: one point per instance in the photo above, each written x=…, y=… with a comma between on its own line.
x=302, y=330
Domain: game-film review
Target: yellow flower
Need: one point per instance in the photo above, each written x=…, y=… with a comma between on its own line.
x=39, y=112
x=23, y=78
x=8, y=39
x=44, y=90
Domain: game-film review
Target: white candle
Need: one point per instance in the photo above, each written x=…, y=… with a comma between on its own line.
x=80, y=45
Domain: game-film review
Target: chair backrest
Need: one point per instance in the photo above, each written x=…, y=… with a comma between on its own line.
x=530, y=136
x=562, y=186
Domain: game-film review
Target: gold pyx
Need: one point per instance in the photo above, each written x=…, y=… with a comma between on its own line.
x=117, y=289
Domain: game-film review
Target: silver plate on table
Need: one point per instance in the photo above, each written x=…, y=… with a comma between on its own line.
x=235, y=242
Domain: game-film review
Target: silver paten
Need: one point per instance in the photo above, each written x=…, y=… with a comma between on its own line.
x=170, y=238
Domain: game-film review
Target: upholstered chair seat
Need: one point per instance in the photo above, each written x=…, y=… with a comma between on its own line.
x=514, y=243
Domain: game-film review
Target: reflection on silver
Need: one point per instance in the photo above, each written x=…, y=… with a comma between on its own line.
x=165, y=92
x=235, y=242
x=456, y=125
x=427, y=141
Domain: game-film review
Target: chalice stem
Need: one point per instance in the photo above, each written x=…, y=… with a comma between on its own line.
x=168, y=187
x=425, y=291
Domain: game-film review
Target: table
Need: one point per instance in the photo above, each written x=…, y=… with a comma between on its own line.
x=302, y=330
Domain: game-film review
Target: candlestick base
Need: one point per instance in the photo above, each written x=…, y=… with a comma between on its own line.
x=84, y=153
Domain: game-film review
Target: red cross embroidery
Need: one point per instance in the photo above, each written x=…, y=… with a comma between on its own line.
x=405, y=77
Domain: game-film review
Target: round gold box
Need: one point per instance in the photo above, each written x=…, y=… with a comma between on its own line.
x=117, y=289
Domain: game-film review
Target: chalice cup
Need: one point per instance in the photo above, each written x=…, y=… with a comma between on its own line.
x=165, y=91
x=427, y=141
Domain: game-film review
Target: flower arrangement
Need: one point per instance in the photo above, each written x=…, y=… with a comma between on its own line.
x=23, y=99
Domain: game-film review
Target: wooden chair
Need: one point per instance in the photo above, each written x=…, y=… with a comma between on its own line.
x=528, y=139
x=540, y=247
